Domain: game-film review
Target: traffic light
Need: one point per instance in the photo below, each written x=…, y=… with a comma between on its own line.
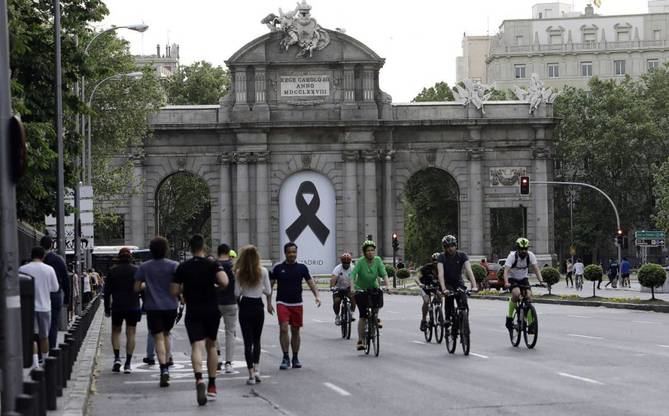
x=619, y=238
x=524, y=185
x=396, y=242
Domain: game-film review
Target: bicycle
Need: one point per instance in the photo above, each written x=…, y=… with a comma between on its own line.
x=345, y=315
x=458, y=321
x=435, y=323
x=372, y=339
x=520, y=324
x=579, y=281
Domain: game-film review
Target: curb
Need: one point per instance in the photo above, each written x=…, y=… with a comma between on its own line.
x=75, y=397
x=612, y=305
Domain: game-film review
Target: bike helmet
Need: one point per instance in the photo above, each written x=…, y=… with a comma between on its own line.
x=346, y=258
x=368, y=243
x=522, y=243
x=435, y=256
x=449, y=240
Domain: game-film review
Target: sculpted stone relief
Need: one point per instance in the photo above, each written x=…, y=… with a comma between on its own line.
x=300, y=29
x=506, y=176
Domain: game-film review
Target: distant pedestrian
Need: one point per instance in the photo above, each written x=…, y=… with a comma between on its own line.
x=612, y=274
x=227, y=305
x=60, y=297
x=579, y=270
x=122, y=304
x=570, y=273
x=46, y=283
x=288, y=276
x=87, y=289
x=252, y=283
x=198, y=278
x=625, y=268
x=155, y=277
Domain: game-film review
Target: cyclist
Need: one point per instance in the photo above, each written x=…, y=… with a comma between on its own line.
x=365, y=275
x=427, y=282
x=516, y=270
x=341, y=284
x=450, y=264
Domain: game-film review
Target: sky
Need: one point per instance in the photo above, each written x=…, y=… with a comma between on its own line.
x=420, y=39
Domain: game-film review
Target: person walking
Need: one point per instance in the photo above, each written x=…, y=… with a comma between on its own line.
x=87, y=289
x=46, y=283
x=612, y=274
x=288, y=277
x=625, y=268
x=61, y=296
x=252, y=283
x=122, y=304
x=155, y=277
x=227, y=306
x=197, y=279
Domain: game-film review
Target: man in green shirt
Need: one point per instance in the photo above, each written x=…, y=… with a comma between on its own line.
x=365, y=275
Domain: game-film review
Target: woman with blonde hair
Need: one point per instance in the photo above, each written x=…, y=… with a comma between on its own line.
x=252, y=284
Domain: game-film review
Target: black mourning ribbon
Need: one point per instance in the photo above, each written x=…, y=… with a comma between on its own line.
x=308, y=216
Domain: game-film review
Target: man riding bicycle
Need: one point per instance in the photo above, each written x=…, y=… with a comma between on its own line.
x=340, y=283
x=516, y=270
x=428, y=284
x=365, y=275
x=450, y=264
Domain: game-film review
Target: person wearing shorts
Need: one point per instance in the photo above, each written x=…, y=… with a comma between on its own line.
x=288, y=277
x=155, y=277
x=198, y=279
x=122, y=305
x=46, y=282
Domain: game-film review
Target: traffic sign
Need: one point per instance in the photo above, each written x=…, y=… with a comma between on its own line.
x=650, y=235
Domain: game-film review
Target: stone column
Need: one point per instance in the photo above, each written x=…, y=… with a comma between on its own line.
x=225, y=199
x=242, y=207
x=349, y=84
x=262, y=205
x=370, y=210
x=475, y=197
x=388, y=205
x=137, y=205
x=240, y=85
x=541, y=236
x=350, y=202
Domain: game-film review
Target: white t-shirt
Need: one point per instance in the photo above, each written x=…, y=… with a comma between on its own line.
x=46, y=282
x=343, y=276
x=87, y=283
x=264, y=287
x=521, y=270
x=579, y=268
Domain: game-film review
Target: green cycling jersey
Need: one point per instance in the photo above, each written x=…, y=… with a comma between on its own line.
x=365, y=275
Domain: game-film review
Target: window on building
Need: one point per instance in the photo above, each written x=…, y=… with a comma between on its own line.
x=556, y=39
x=589, y=37
x=622, y=36
x=619, y=67
x=657, y=35
x=553, y=70
x=586, y=69
x=651, y=64
x=519, y=70
x=520, y=40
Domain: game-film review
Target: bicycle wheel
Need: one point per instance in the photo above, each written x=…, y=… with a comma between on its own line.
x=439, y=329
x=531, y=339
x=349, y=322
x=376, y=340
x=430, y=325
x=343, y=319
x=368, y=332
x=514, y=333
x=464, y=331
x=451, y=335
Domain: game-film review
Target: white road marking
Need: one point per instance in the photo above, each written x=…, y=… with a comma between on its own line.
x=337, y=389
x=663, y=346
x=419, y=342
x=644, y=322
x=479, y=355
x=587, y=380
x=318, y=321
x=264, y=351
x=584, y=336
x=393, y=312
x=578, y=316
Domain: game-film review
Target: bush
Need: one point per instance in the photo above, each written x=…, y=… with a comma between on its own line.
x=652, y=275
x=551, y=276
x=390, y=270
x=593, y=273
x=480, y=273
x=403, y=274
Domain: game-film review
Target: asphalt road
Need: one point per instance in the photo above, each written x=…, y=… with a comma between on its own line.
x=589, y=361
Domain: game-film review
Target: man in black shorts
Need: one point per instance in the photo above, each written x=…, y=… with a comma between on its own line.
x=198, y=279
x=122, y=304
x=450, y=265
x=155, y=277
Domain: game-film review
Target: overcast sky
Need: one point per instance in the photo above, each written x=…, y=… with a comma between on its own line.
x=419, y=39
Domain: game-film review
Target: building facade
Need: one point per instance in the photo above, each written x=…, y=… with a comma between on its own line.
x=472, y=63
x=165, y=64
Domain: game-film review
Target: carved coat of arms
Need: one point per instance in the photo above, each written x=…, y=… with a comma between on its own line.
x=299, y=29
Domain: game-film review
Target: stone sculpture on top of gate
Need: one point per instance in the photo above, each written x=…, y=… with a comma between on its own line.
x=299, y=29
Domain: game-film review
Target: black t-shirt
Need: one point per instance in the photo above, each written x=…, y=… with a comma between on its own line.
x=288, y=278
x=453, y=267
x=428, y=276
x=120, y=286
x=58, y=264
x=227, y=296
x=198, y=277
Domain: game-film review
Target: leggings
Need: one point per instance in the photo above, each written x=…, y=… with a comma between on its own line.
x=251, y=320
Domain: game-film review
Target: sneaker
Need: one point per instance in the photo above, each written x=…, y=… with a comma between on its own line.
x=201, y=391
x=285, y=363
x=219, y=367
x=117, y=366
x=228, y=368
x=509, y=323
x=423, y=326
x=164, y=379
x=257, y=377
x=379, y=323
x=251, y=382
x=296, y=363
x=149, y=361
x=337, y=320
x=170, y=362
x=211, y=392
x=360, y=346
x=127, y=369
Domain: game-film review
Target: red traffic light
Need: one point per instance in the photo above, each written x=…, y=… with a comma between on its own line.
x=394, y=236
x=524, y=185
x=620, y=232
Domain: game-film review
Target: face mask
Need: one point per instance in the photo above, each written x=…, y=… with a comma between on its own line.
x=522, y=254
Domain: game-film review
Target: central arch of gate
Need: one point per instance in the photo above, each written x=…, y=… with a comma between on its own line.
x=326, y=119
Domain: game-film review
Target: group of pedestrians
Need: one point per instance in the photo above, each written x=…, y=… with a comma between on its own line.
x=614, y=271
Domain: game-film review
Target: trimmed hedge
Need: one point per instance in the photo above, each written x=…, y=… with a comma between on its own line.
x=551, y=276
x=390, y=270
x=403, y=274
x=652, y=275
x=480, y=273
x=593, y=273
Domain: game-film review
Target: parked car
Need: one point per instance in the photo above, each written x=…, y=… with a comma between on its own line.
x=492, y=281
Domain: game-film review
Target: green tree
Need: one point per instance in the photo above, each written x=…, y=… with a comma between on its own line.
x=652, y=276
x=661, y=182
x=551, y=276
x=439, y=92
x=199, y=83
x=593, y=273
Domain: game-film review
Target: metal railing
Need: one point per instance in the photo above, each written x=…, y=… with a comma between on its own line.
x=584, y=46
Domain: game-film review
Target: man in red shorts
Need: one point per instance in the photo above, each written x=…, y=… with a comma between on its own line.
x=288, y=277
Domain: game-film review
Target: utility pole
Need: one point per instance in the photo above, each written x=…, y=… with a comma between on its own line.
x=10, y=300
x=60, y=205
